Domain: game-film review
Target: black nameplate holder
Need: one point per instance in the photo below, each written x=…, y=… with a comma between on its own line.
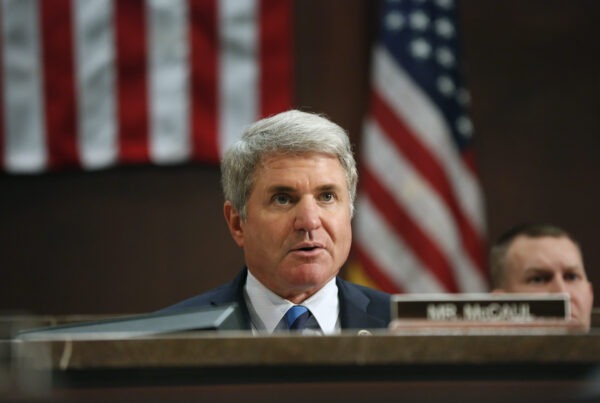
x=479, y=307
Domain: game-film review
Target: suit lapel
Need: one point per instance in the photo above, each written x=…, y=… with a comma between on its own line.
x=234, y=292
x=354, y=308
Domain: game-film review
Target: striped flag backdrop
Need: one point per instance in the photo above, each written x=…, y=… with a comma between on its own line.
x=95, y=83
x=420, y=221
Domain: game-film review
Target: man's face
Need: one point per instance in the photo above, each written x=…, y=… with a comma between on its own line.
x=297, y=232
x=550, y=264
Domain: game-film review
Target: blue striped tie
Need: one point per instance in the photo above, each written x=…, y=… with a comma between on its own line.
x=296, y=317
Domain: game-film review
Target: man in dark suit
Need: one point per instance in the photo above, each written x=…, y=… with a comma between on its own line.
x=290, y=185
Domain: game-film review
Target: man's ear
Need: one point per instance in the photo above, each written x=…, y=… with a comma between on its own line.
x=234, y=223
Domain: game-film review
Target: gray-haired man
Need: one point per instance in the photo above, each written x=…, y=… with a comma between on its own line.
x=289, y=185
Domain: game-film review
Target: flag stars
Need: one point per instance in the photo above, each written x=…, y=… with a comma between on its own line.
x=420, y=48
x=463, y=97
x=445, y=57
x=446, y=86
x=444, y=28
x=419, y=21
x=394, y=21
x=445, y=4
x=464, y=126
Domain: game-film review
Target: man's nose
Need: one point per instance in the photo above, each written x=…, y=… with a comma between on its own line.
x=307, y=215
x=558, y=285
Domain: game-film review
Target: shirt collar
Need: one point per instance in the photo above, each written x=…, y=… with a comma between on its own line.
x=267, y=308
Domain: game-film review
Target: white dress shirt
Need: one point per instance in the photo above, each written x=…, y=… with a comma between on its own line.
x=267, y=308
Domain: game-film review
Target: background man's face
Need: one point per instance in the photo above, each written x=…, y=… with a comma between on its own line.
x=550, y=264
x=297, y=232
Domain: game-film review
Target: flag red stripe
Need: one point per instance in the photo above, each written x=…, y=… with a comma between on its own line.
x=468, y=157
x=374, y=272
x=430, y=169
x=59, y=84
x=275, y=56
x=131, y=55
x=421, y=244
x=204, y=48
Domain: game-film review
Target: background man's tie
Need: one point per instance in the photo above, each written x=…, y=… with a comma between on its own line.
x=296, y=317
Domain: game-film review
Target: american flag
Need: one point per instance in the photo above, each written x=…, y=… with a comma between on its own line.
x=96, y=83
x=420, y=219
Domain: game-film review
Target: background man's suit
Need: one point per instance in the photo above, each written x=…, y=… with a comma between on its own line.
x=360, y=307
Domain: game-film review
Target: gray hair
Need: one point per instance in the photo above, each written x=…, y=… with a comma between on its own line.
x=501, y=246
x=292, y=132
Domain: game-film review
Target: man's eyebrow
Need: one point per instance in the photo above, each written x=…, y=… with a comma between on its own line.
x=328, y=187
x=575, y=268
x=280, y=189
x=537, y=270
x=289, y=189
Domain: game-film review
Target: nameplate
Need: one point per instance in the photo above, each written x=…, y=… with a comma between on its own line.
x=481, y=307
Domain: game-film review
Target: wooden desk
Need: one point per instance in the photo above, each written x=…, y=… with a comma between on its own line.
x=237, y=366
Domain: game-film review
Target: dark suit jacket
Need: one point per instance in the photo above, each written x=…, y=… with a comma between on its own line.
x=360, y=307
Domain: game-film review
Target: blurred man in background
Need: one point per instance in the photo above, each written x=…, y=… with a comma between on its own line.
x=544, y=259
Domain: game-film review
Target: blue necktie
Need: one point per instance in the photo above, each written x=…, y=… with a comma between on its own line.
x=296, y=317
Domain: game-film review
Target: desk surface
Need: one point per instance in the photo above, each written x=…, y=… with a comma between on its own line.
x=452, y=366
x=239, y=349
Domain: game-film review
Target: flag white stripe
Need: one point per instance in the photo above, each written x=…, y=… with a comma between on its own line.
x=416, y=197
x=389, y=252
x=95, y=80
x=238, y=68
x=169, y=69
x=24, y=133
x=418, y=112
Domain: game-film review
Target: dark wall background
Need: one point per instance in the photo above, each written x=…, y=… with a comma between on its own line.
x=137, y=239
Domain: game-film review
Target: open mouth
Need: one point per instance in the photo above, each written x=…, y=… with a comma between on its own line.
x=308, y=248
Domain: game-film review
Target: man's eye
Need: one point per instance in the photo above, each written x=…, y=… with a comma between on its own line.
x=540, y=279
x=281, y=199
x=327, y=196
x=571, y=276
